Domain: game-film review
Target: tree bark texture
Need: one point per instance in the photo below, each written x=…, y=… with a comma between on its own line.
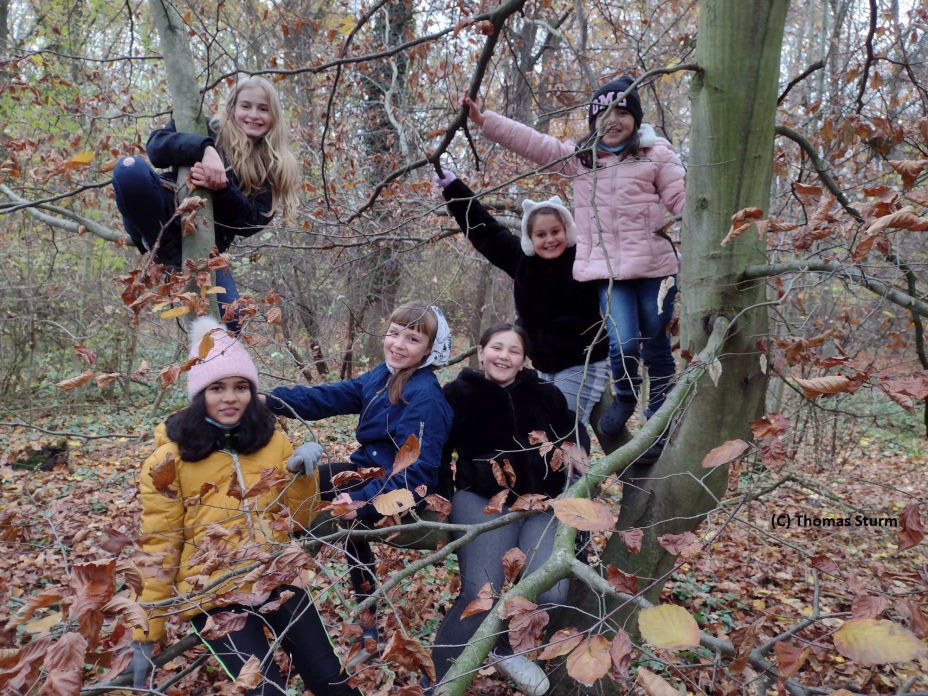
x=188, y=115
x=729, y=168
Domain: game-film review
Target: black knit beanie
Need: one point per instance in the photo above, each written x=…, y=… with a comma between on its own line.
x=607, y=94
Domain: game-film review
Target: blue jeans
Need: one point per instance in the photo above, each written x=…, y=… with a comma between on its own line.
x=638, y=332
x=146, y=202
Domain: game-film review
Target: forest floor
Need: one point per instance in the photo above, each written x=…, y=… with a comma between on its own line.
x=753, y=572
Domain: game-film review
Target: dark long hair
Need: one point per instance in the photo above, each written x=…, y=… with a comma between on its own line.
x=197, y=439
x=584, y=151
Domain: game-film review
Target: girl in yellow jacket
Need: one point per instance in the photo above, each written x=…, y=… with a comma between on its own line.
x=217, y=495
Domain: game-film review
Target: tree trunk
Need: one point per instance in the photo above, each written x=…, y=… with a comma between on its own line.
x=188, y=118
x=733, y=107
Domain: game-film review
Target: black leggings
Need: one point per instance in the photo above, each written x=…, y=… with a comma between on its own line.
x=296, y=626
x=360, y=555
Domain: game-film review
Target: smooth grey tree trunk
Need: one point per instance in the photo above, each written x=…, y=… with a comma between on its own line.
x=188, y=117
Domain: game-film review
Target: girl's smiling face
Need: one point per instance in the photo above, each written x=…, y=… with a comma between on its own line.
x=227, y=399
x=404, y=347
x=549, y=238
x=252, y=112
x=502, y=357
x=616, y=126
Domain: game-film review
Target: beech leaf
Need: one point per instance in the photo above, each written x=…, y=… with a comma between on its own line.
x=75, y=382
x=724, y=453
x=790, y=659
x=878, y=642
x=484, y=602
x=394, y=502
x=407, y=455
x=654, y=684
x=583, y=514
x=668, y=626
x=632, y=539
x=561, y=643
x=409, y=654
x=911, y=532
x=824, y=386
x=513, y=561
x=590, y=660
x=621, y=653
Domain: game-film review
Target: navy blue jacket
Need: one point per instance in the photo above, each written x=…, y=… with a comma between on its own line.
x=235, y=213
x=560, y=315
x=383, y=427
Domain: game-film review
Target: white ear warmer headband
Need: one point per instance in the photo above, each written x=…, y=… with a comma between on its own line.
x=555, y=202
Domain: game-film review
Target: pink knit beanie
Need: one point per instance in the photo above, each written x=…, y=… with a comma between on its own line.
x=226, y=358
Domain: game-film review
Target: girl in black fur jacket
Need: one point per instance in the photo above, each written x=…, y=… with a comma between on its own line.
x=494, y=413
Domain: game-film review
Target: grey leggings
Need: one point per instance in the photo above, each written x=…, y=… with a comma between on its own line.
x=481, y=562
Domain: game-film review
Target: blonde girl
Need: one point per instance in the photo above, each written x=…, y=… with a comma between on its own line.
x=244, y=160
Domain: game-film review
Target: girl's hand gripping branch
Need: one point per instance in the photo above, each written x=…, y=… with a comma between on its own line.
x=210, y=172
x=473, y=111
x=305, y=458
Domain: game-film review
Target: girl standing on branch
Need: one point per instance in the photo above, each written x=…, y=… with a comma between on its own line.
x=559, y=314
x=494, y=413
x=634, y=176
x=218, y=493
x=399, y=398
x=245, y=161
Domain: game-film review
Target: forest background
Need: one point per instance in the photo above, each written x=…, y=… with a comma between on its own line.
x=817, y=394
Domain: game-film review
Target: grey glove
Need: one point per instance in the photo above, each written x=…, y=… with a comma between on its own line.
x=305, y=458
x=446, y=180
x=141, y=665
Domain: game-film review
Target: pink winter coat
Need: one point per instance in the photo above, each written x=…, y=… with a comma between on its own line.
x=630, y=197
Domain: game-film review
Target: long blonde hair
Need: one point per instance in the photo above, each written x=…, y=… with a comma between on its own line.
x=418, y=316
x=267, y=159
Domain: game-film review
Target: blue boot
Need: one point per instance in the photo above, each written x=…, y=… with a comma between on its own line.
x=612, y=423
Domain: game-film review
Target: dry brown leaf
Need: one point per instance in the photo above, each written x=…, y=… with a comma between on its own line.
x=495, y=504
x=513, y=561
x=771, y=425
x=583, y=514
x=484, y=602
x=407, y=455
x=561, y=643
x=911, y=532
x=516, y=605
x=908, y=170
x=868, y=607
x=632, y=539
x=620, y=651
x=129, y=609
x=621, y=581
x=590, y=660
x=909, y=610
x=409, y=654
x=790, y=659
x=250, y=675
x=824, y=386
x=684, y=544
x=525, y=630
x=531, y=501
x=653, y=684
x=64, y=664
x=74, y=382
x=394, y=502
x=724, y=453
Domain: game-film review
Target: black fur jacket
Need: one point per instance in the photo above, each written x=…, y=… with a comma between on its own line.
x=493, y=423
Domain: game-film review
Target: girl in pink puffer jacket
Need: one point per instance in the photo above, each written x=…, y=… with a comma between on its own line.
x=624, y=177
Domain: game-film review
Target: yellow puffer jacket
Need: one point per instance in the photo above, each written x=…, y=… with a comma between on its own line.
x=196, y=532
